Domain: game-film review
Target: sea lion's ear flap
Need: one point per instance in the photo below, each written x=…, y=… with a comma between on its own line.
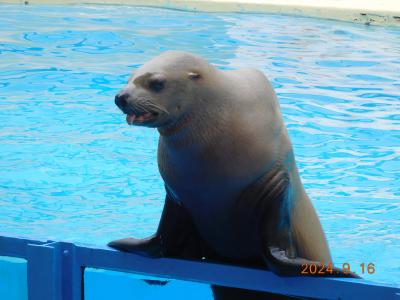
x=194, y=75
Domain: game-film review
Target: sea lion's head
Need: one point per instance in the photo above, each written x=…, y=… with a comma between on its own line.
x=164, y=90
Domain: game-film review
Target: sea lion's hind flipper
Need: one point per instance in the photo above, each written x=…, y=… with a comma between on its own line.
x=150, y=246
x=279, y=262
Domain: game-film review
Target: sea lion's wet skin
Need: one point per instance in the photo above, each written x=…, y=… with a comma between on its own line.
x=233, y=190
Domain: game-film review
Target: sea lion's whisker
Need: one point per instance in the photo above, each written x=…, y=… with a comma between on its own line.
x=142, y=108
x=157, y=107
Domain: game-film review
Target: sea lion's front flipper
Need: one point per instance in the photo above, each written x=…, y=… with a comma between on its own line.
x=176, y=236
x=270, y=199
x=280, y=251
x=148, y=247
x=279, y=262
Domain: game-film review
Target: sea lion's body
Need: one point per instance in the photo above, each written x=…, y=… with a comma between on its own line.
x=210, y=169
x=233, y=189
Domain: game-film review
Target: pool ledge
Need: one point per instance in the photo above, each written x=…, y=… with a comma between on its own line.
x=373, y=12
x=55, y=272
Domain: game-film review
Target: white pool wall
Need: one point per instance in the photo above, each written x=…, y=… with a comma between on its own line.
x=372, y=12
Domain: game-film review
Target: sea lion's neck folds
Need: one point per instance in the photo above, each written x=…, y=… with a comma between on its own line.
x=196, y=127
x=173, y=129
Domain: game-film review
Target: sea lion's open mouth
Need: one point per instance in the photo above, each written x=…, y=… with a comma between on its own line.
x=140, y=118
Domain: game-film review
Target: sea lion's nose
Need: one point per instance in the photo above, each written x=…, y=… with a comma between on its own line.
x=121, y=100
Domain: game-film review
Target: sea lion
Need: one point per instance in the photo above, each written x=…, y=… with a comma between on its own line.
x=233, y=191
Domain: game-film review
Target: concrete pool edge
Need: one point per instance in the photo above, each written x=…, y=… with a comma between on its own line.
x=55, y=271
x=384, y=12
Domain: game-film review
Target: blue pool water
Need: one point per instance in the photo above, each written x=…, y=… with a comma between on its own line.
x=72, y=170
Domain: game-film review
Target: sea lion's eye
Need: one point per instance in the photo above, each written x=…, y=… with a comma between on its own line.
x=156, y=84
x=194, y=75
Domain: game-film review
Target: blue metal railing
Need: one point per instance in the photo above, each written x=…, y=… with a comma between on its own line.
x=55, y=272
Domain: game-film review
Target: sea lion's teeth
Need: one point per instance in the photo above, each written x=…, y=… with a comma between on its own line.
x=130, y=119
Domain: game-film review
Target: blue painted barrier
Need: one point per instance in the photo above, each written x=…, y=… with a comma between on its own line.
x=107, y=285
x=55, y=272
x=13, y=278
